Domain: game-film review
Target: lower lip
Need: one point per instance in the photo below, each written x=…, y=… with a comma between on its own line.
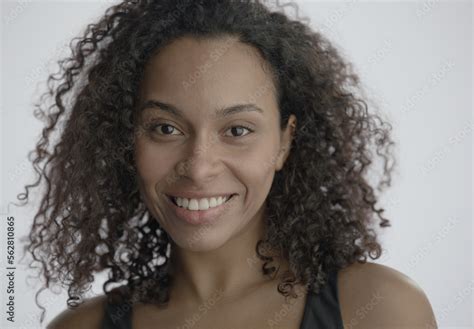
x=199, y=217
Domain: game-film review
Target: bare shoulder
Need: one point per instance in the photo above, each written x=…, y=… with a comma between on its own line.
x=377, y=296
x=87, y=315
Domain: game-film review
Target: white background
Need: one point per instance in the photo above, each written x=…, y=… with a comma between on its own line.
x=415, y=61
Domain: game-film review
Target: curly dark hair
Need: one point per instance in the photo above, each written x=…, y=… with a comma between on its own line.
x=321, y=207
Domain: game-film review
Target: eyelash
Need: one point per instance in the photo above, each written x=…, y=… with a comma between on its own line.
x=153, y=126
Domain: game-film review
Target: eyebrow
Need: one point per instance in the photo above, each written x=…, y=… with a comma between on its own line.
x=219, y=113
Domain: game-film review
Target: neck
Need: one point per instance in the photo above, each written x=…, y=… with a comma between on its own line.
x=228, y=272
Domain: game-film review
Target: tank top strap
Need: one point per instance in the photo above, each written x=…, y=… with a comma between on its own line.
x=117, y=315
x=322, y=309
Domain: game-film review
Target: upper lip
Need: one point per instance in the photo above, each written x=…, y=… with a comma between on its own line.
x=197, y=195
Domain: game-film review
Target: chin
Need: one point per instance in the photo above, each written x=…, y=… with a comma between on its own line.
x=200, y=241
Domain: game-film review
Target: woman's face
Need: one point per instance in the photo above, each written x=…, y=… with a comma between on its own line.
x=184, y=145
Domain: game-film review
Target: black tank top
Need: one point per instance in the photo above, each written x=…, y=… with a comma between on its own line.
x=321, y=310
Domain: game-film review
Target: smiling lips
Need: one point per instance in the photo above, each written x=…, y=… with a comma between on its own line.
x=200, y=211
x=200, y=204
x=197, y=195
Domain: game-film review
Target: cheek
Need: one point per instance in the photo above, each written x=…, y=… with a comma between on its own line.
x=152, y=165
x=257, y=169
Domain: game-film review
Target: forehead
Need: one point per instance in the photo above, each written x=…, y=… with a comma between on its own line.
x=208, y=73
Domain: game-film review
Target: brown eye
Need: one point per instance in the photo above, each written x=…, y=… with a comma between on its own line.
x=239, y=129
x=163, y=129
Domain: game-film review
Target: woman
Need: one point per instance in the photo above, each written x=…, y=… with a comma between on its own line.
x=214, y=161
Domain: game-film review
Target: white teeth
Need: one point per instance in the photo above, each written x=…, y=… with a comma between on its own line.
x=200, y=204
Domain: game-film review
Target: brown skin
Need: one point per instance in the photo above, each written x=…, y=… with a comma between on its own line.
x=215, y=158
x=370, y=295
x=202, y=153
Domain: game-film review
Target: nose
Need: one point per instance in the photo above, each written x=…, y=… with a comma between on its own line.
x=200, y=161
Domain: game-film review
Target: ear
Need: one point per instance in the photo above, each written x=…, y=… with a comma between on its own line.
x=285, y=142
